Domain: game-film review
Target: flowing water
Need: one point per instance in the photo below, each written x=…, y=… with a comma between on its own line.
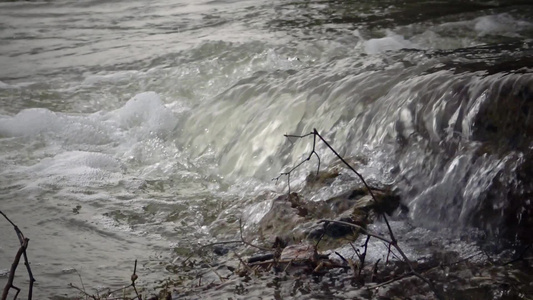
x=133, y=129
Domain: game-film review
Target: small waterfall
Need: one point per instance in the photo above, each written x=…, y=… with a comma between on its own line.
x=451, y=141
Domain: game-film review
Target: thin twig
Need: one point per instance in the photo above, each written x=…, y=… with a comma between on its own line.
x=242, y=262
x=356, y=251
x=341, y=257
x=133, y=278
x=289, y=264
x=222, y=280
x=14, y=265
x=409, y=274
x=395, y=245
x=354, y=267
x=288, y=173
x=375, y=269
x=363, y=255
x=388, y=253
x=82, y=285
x=9, y=221
x=360, y=177
x=390, y=281
x=462, y=260
x=81, y=291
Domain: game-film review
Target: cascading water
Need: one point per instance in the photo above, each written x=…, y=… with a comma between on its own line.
x=139, y=129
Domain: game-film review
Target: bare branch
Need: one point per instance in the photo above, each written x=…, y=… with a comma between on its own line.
x=82, y=285
x=298, y=136
x=288, y=173
x=360, y=177
x=392, y=242
x=81, y=291
x=363, y=256
x=133, y=278
x=22, y=251
x=9, y=283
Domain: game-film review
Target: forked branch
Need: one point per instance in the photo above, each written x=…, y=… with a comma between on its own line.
x=21, y=252
x=288, y=173
x=390, y=241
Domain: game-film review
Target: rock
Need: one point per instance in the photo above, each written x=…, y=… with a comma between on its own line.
x=293, y=219
x=300, y=252
x=323, y=178
x=220, y=250
x=281, y=218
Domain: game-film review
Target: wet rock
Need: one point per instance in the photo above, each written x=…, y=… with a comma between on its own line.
x=292, y=218
x=220, y=250
x=321, y=179
x=504, y=121
x=284, y=215
x=332, y=230
x=299, y=251
x=504, y=127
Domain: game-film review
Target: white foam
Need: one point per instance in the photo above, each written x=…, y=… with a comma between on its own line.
x=74, y=159
x=78, y=169
x=146, y=115
x=84, y=150
x=501, y=24
x=391, y=42
x=28, y=122
x=4, y=85
x=69, y=129
x=141, y=117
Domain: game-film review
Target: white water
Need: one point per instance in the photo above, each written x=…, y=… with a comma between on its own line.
x=130, y=129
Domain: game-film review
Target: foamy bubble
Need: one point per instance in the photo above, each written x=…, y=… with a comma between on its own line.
x=146, y=115
x=78, y=168
x=56, y=126
x=93, y=150
x=502, y=24
x=142, y=117
x=4, y=85
x=29, y=122
x=392, y=42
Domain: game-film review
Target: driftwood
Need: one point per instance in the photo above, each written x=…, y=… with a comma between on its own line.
x=21, y=252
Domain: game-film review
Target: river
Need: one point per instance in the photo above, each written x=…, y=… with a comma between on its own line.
x=133, y=129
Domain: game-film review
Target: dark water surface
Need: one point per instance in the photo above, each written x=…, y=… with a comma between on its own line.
x=136, y=129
